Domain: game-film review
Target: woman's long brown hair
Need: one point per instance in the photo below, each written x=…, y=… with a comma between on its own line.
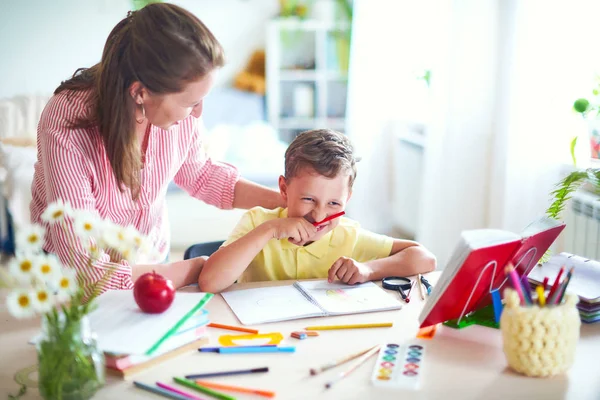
x=162, y=46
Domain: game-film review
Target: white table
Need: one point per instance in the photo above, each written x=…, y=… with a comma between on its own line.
x=459, y=364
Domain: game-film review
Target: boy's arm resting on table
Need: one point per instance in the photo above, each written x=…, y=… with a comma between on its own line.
x=367, y=263
x=247, y=240
x=406, y=258
x=229, y=262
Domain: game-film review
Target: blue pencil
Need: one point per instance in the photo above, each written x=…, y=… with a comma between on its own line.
x=160, y=391
x=240, y=350
x=217, y=349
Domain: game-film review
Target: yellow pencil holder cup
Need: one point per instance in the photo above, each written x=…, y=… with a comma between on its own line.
x=539, y=341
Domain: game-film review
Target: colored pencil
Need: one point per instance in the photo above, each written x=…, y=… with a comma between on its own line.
x=332, y=364
x=212, y=385
x=352, y=326
x=565, y=284
x=427, y=285
x=160, y=391
x=269, y=349
x=205, y=390
x=327, y=219
x=545, y=283
x=218, y=349
x=180, y=392
x=556, y=283
x=526, y=290
x=420, y=283
x=226, y=373
x=357, y=364
x=541, y=296
x=514, y=279
x=232, y=328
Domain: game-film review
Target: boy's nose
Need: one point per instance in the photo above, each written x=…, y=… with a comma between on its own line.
x=319, y=215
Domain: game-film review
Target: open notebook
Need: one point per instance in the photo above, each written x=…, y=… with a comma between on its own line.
x=308, y=299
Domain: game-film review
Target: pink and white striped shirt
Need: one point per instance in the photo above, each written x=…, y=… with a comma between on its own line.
x=72, y=165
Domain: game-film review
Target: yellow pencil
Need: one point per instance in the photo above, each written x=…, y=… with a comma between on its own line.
x=541, y=295
x=352, y=326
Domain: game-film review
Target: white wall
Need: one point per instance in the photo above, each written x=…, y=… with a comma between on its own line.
x=42, y=42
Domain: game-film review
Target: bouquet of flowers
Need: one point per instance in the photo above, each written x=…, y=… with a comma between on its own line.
x=70, y=365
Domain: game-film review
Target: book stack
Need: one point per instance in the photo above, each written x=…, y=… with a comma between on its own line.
x=585, y=281
x=133, y=341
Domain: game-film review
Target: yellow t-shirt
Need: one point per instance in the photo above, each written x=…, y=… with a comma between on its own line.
x=281, y=260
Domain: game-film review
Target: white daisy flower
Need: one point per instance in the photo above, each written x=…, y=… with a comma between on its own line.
x=86, y=225
x=22, y=267
x=116, y=237
x=66, y=284
x=93, y=249
x=42, y=300
x=57, y=212
x=30, y=238
x=19, y=303
x=47, y=267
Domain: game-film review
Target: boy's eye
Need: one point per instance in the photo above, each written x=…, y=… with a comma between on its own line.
x=334, y=203
x=307, y=199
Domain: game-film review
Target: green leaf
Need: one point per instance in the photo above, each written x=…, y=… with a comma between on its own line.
x=573, y=144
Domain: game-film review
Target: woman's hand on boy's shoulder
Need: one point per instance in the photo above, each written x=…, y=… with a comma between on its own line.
x=297, y=230
x=349, y=271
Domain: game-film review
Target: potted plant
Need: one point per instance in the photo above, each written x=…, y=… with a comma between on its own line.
x=589, y=108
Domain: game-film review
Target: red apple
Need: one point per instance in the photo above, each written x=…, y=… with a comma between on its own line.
x=153, y=293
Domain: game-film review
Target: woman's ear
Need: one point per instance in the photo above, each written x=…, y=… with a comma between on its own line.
x=138, y=92
x=283, y=187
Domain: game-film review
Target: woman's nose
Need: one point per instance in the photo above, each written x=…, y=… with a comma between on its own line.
x=197, y=111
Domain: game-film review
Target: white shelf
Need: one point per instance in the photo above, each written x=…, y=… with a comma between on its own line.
x=285, y=58
x=310, y=75
x=312, y=123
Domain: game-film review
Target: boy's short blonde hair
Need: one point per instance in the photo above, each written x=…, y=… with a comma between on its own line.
x=326, y=151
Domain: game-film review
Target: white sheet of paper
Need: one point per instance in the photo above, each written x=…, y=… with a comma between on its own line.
x=123, y=328
x=585, y=281
x=270, y=304
x=337, y=298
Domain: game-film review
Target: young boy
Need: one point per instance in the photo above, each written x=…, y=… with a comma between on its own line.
x=320, y=168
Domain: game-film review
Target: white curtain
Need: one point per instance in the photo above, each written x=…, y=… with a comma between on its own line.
x=504, y=76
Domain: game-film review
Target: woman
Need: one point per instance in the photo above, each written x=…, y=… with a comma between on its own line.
x=114, y=135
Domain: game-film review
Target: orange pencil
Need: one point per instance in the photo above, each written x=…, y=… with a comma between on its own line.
x=213, y=385
x=233, y=328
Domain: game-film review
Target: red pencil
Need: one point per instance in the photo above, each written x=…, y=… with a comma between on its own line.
x=545, y=283
x=334, y=216
x=556, y=282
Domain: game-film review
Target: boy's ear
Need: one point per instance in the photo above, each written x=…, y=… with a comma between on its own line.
x=349, y=195
x=283, y=187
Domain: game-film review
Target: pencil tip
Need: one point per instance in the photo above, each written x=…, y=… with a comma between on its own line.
x=313, y=371
x=328, y=385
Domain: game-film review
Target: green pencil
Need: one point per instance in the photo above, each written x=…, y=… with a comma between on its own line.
x=205, y=390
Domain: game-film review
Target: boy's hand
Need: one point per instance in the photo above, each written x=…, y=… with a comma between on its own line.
x=297, y=230
x=349, y=271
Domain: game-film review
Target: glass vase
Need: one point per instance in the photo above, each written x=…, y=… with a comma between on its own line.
x=70, y=366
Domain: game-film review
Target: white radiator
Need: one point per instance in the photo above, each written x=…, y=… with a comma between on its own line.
x=582, y=233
